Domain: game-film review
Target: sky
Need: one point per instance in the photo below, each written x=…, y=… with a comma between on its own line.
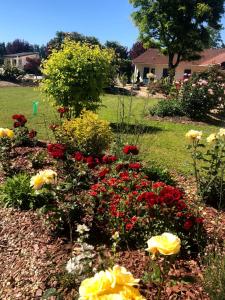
x=37, y=21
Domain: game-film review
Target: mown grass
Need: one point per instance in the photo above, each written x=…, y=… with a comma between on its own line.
x=162, y=141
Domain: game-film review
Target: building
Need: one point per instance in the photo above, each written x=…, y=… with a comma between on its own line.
x=19, y=60
x=153, y=61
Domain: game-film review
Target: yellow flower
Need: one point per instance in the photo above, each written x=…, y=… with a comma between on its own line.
x=5, y=132
x=116, y=235
x=112, y=284
x=37, y=181
x=194, y=135
x=123, y=277
x=211, y=138
x=221, y=132
x=166, y=244
x=49, y=176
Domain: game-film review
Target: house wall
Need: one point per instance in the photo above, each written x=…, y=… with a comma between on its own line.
x=19, y=61
x=159, y=70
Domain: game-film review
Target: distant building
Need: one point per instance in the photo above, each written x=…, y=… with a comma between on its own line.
x=19, y=60
x=153, y=61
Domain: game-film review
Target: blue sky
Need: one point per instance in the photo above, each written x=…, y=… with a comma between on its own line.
x=37, y=21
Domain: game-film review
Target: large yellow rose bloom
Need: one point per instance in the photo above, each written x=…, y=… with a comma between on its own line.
x=49, y=176
x=211, y=138
x=194, y=135
x=37, y=181
x=5, y=132
x=112, y=284
x=166, y=244
x=221, y=132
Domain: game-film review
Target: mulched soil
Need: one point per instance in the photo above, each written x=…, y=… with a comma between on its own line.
x=31, y=257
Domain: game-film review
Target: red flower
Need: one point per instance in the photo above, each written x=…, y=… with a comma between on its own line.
x=32, y=134
x=129, y=226
x=92, y=162
x=78, y=156
x=108, y=159
x=159, y=184
x=199, y=220
x=20, y=120
x=135, y=166
x=62, y=111
x=188, y=224
x=56, y=150
x=121, y=166
x=130, y=149
x=103, y=172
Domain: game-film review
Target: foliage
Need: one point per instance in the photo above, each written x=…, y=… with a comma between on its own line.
x=76, y=75
x=136, y=50
x=18, y=46
x=10, y=73
x=6, y=143
x=87, y=133
x=209, y=167
x=157, y=173
x=202, y=92
x=167, y=108
x=33, y=66
x=171, y=26
x=214, y=276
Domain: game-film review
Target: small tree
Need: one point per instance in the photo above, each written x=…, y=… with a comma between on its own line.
x=32, y=66
x=76, y=75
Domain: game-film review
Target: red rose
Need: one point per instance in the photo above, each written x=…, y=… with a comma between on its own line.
x=62, y=111
x=135, y=166
x=20, y=120
x=103, y=172
x=78, y=156
x=199, y=220
x=188, y=224
x=16, y=124
x=32, y=134
x=108, y=159
x=129, y=226
x=130, y=149
x=56, y=150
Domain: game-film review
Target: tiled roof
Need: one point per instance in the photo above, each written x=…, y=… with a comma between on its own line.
x=155, y=57
x=21, y=54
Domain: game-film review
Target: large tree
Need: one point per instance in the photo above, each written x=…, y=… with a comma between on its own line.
x=179, y=27
x=136, y=50
x=18, y=46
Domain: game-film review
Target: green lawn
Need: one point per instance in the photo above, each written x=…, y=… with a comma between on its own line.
x=163, y=142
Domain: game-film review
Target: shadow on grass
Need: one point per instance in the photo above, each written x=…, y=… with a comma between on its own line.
x=134, y=128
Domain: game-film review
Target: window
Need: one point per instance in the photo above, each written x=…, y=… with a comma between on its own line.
x=145, y=72
x=165, y=73
x=14, y=62
x=187, y=71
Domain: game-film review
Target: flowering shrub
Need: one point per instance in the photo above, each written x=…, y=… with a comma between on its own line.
x=87, y=133
x=127, y=201
x=209, y=165
x=202, y=92
x=22, y=134
x=56, y=150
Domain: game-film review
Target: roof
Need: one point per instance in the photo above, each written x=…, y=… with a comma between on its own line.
x=21, y=54
x=155, y=57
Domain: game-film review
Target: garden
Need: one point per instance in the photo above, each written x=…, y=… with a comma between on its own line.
x=98, y=200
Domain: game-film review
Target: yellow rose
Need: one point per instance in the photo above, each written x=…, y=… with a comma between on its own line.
x=111, y=284
x=9, y=133
x=166, y=244
x=2, y=132
x=221, y=132
x=49, y=176
x=194, y=135
x=123, y=277
x=37, y=181
x=211, y=138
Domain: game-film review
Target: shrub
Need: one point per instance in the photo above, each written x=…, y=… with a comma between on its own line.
x=167, y=108
x=157, y=173
x=202, y=92
x=127, y=201
x=6, y=143
x=76, y=75
x=10, y=73
x=209, y=166
x=87, y=133
x=23, y=136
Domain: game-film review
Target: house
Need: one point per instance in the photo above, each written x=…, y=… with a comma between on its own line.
x=19, y=60
x=153, y=61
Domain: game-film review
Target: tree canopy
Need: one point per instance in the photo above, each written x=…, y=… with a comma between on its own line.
x=179, y=27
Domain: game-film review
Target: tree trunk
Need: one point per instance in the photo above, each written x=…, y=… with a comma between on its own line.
x=172, y=68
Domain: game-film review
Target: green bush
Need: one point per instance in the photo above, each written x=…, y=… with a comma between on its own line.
x=10, y=73
x=157, y=173
x=167, y=108
x=76, y=75
x=202, y=92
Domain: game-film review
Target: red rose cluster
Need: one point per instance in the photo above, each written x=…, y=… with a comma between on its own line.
x=56, y=150
x=93, y=161
x=20, y=120
x=130, y=149
x=32, y=133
